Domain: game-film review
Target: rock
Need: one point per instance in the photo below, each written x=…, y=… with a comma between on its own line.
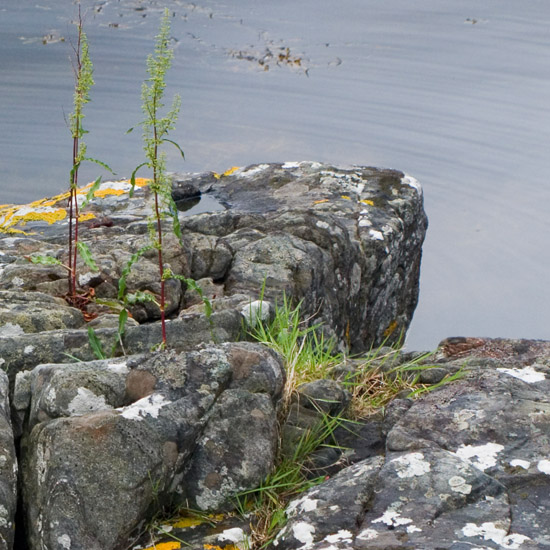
x=161, y=414
x=8, y=469
x=345, y=241
x=330, y=512
x=31, y=312
x=465, y=466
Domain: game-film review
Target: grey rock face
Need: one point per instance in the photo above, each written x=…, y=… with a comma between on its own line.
x=346, y=241
x=466, y=466
x=105, y=442
x=8, y=469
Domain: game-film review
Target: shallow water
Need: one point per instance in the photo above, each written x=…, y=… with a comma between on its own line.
x=454, y=93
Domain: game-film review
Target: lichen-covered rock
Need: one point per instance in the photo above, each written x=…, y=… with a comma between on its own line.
x=31, y=312
x=105, y=442
x=8, y=469
x=346, y=241
x=331, y=512
x=465, y=466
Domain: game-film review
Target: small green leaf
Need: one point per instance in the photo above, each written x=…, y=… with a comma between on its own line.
x=44, y=260
x=133, y=179
x=176, y=146
x=102, y=164
x=122, y=318
x=86, y=255
x=95, y=344
x=90, y=193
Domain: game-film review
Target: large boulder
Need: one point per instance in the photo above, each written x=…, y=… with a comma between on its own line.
x=465, y=466
x=345, y=241
x=106, y=444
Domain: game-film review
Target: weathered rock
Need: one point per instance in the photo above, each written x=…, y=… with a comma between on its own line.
x=8, y=469
x=30, y=312
x=105, y=442
x=346, y=241
x=465, y=466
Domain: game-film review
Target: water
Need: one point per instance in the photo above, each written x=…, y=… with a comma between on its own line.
x=455, y=93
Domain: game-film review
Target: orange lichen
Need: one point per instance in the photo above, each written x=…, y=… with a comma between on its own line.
x=228, y=172
x=391, y=329
x=86, y=217
x=50, y=217
x=141, y=182
x=172, y=545
x=320, y=201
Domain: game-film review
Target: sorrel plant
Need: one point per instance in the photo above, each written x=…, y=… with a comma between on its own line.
x=155, y=129
x=83, y=74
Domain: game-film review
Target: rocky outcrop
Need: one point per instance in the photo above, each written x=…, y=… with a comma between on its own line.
x=345, y=241
x=106, y=444
x=465, y=466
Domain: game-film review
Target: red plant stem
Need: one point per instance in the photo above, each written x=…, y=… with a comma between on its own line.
x=159, y=232
x=73, y=205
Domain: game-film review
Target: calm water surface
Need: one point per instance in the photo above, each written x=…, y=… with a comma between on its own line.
x=454, y=92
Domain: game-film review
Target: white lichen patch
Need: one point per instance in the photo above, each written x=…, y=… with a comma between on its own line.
x=413, y=529
x=364, y=222
x=411, y=182
x=322, y=224
x=481, y=456
x=86, y=401
x=290, y=165
x=411, y=465
x=11, y=330
x=341, y=536
x=458, y=485
x=392, y=518
x=28, y=349
x=367, y=534
x=376, y=235
x=303, y=504
x=147, y=406
x=518, y=463
x=121, y=368
x=64, y=541
x=463, y=417
x=255, y=170
x=259, y=310
x=527, y=374
x=544, y=466
x=235, y=535
x=491, y=531
x=85, y=278
x=303, y=532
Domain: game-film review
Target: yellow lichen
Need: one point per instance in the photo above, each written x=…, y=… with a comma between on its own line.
x=165, y=546
x=216, y=547
x=51, y=216
x=86, y=217
x=346, y=197
x=228, y=172
x=367, y=201
x=320, y=201
x=391, y=328
x=141, y=182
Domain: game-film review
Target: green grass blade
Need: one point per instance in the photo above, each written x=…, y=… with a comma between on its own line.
x=95, y=344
